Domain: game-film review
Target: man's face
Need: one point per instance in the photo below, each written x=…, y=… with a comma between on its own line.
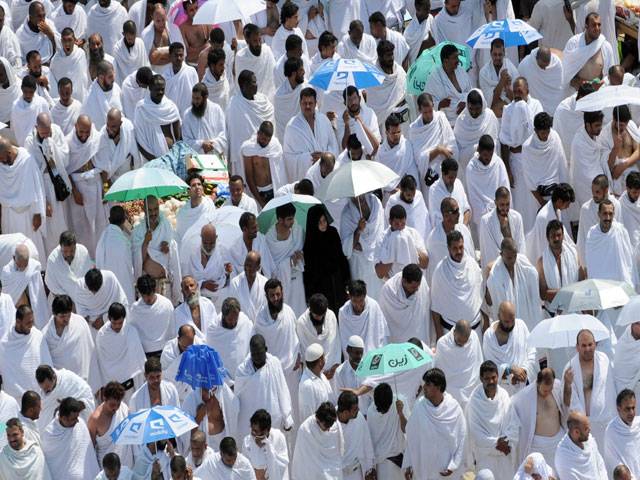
x=353, y=103
x=71, y=420
x=394, y=133
x=583, y=431
x=489, y=383
x=258, y=357
x=68, y=6
x=450, y=63
x=116, y=324
x=408, y=195
x=25, y=325
x=423, y=10
x=258, y=433
x=159, y=20
x=456, y=251
x=186, y=340
x=68, y=42
x=65, y=92
x=485, y=156
x=83, y=131
x=287, y=222
x=355, y=35
x=544, y=389
x=460, y=339
x=62, y=319
x=156, y=91
x=594, y=27
x=605, y=214
x=153, y=209
x=154, y=379
x=228, y=460
x=197, y=100
x=386, y=58
x=543, y=135
x=316, y=320
x=426, y=111
x=230, y=321
x=299, y=78
x=599, y=194
x=251, y=267
x=196, y=190
x=556, y=237
x=586, y=347
x=113, y=126
x=251, y=87
x=475, y=109
x=449, y=178
x=452, y=6
x=507, y=321
x=47, y=386
x=255, y=43
x=188, y=287
x=503, y=204
x=191, y=10
x=251, y=230
x=112, y=474
x=236, y=189
x=177, y=57
x=21, y=262
x=410, y=287
x=38, y=15
x=308, y=105
x=594, y=128
x=451, y=215
x=326, y=167
x=68, y=252
x=43, y=129
x=198, y=449
x=95, y=44
x=431, y=392
x=627, y=410
x=263, y=139
x=520, y=90
x=398, y=224
x=378, y=31
x=15, y=437
x=111, y=405
x=274, y=296
x=28, y=93
x=355, y=355
x=633, y=194
x=129, y=38
x=217, y=69
x=35, y=65
x=209, y=239
x=509, y=257
x=543, y=61
x=358, y=304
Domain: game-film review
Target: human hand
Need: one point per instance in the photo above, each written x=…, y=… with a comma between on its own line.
x=568, y=375
x=49, y=210
x=77, y=196
x=445, y=103
x=460, y=107
x=210, y=285
x=207, y=146
x=164, y=247
x=36, y=222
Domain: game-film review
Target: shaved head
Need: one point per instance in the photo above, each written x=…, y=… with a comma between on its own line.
x=84, y=121
x=21, y=252
x=114, y=114
x=43, y=120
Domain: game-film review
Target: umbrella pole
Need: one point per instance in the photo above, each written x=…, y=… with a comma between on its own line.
x=395, y=385
x=146, y=221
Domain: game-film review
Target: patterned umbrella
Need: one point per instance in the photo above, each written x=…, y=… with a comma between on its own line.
x=152, y=425
x=201, y=367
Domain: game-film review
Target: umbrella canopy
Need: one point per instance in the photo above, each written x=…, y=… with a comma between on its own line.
x=630, y=313
x=392, y=358
x=303, y=203
x=153, y=424
x=177, y=14
x=592, y=294
x=336, y=75
x=512, y=31
x=201, y=367
x=428, y=61
x=609, y=97
x=220, y=11
x=356, y=178
x=561, y=331
x=140, y=183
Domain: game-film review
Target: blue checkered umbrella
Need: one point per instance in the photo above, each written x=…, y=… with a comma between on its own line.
x=512, y=32
x=336, y=75
x=152, y=425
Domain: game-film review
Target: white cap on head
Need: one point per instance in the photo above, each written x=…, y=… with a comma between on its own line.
x=313, y=352
x=485, y=474
x=355, y=341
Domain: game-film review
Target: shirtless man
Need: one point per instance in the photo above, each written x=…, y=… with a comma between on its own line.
x=586, y=347
x=215, y=40
x=194, y=36
x=210, y=407
x=257, y=170
x=625, y=152
x=593, y=69
x=159, y=52
x=149, y=265
x=105, y=418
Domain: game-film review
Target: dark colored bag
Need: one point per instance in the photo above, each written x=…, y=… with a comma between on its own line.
x=59, y=186
x=431, y=176
x=397, y=459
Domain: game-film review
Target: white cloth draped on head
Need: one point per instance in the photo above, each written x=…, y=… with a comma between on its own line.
x=120, y=354
x=219, y=90
x=482, y=181
x=69, y=451
x=370, y=325
x=491, y=235
x=273, y=153
x=127, y=60
x=522, y=290
x=621, y=445
x=114, y=159
x=365, y=52
x=286, y=105
x=28, y=462
x=515, y=352
x=74, y=67
x=447, y=428
x=545, y=84
x=182, y=316
x=231, y=343
x=149, y=118
x=385, y=98
x=262, y=66
x=66, y=117
x=99, y=102
x=460, y=364
x=579, y=463
x=468, y=129
x=545, y=163
x=488, y=420
x=607, y=255
x=627, y=362
x=407, y=316
x=74, y=349
x=24, y=114
x=68, y=384
x=329, y=338
x=440, y=87
x=602, y=404
x=318, y=453
x=113, y=253
x=9, y=94
x=243, y=119
x=424, y=138
x=179, y=86
x=20, y=355
x=62, y=277
x=456, y=290
x=209, y=127
x=300, y=141
x=15, y=282
x=525, y=403
x=577, y=53
x=94, y=305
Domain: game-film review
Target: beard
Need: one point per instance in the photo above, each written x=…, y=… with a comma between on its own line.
x=96, y=55
x=275, y=308
x=199, y=111
x=193, y=300
x=256, y=51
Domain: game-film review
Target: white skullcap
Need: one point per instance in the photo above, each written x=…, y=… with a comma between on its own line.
x=485, y=474
x=313, y=352
x=355, y=341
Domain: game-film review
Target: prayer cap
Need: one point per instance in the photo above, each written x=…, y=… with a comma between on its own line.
x=313, y=353
x=355, y=341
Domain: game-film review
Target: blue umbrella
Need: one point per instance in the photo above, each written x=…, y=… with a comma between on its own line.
x=336, y=75
x=201, y=367
x=152, y=425
x=512, y=32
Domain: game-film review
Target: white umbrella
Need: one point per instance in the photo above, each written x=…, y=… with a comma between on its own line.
x=561, y=331
x=220, y=11
x=592, y=294
x=356, y=178
x=630, y=313
x=609, y=97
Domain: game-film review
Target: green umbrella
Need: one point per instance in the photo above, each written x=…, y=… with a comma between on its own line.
x=392, y=358
x=303, y=203
x=140, y=183
x=428, y=61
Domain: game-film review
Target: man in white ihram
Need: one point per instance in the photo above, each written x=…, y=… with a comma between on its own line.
x=96, y=292
x=66, y=266
x=627, y=360
x=622, y=436
x=314, y=387
x=21, y=458
x=248, y=286
x=577, y=455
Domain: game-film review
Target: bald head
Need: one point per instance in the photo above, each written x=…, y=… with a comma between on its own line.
x=43, y=120
x=576, y=421
x=21, y=256
x=508, y=245
x=209, y=236
x=253, y=256
x=114, y=115
x=543, y=57
x=461, y=332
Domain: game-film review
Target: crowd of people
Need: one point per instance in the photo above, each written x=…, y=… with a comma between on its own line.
x=506, y=193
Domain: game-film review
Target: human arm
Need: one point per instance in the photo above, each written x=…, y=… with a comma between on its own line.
x=437, y=318
x=403, y=418
x=383, y=269
x=566, y=389
x=547, y=294
x=45, y=28
x=144, y=153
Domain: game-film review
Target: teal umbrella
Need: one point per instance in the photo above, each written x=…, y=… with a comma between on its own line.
x=303, y=203
x=140, y=183
x=428, y=61
x=392, y=358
